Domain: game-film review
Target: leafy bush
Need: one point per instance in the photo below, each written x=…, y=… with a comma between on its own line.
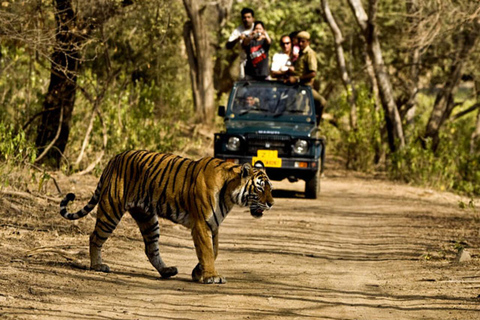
x=15, y=148
x=450, y=167
x=361, y=147
x=15, y=151
x=133, y=119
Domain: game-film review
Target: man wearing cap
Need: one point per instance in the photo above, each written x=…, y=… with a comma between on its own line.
x=304, y=70
x=305, y=67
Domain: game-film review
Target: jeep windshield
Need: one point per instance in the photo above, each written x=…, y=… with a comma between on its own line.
x=271, y=99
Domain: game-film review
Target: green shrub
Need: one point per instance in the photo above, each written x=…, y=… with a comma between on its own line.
x=15, y=148
x=361, y=147
x=450, y=167
x=138, y=116
x=15, y=151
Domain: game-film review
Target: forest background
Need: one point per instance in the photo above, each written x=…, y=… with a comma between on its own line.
x=83, y=80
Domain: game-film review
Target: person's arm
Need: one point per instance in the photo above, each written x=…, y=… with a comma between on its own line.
x=307, y=77
x=235, y=37
x=311, y=70
x=246, y=40
x=302, y=78
x=267, y=38
x=231, y=44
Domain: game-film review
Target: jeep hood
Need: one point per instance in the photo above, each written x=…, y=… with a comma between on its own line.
x=270, y=127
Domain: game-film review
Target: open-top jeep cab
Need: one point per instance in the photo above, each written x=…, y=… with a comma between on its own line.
x=270, y=124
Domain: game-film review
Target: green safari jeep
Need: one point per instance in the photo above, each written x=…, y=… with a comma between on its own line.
x=272, y=125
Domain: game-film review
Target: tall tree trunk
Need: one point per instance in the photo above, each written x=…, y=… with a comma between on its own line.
x=347, y=83
x=410, y=106
x=373, y=80
x=444, y=102
x=392, y=117
x=199, y=50
x=60, y=97
x=226, y=66
x=415, y=58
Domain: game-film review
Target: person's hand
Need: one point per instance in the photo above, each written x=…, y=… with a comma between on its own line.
x=291, y=79
x=289, y=71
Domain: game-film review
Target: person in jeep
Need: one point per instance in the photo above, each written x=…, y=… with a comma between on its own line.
x=304, y=71
x=240, y=34
x=281, y=61
x=256, y=47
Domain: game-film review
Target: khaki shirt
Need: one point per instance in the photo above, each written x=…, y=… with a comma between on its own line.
x=306, y=63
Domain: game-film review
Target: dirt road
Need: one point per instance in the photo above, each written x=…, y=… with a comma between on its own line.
x=367, y=249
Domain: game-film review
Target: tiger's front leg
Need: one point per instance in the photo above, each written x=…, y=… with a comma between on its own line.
x=197, y=272
x=207, y=251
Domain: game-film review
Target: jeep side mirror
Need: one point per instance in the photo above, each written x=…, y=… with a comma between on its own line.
x=221, y=111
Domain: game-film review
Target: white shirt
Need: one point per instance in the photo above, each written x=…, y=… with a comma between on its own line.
x=236, y=34
x=280, y=62
x=238, y=31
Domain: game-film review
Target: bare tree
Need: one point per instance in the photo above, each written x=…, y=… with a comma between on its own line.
x=368, y=26
x=444, y=102
x=337, y=35
x=204, y=20
x=475, y=136
x=72, y=33
x=60, y=98
x=408, y=110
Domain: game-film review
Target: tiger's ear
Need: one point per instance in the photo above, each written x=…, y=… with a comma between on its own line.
x=246, y=170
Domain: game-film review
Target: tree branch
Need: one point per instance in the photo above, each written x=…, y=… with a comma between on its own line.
x=466, y=111
x=45, y=151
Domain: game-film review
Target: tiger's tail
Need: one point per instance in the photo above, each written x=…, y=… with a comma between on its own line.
x=83, y=212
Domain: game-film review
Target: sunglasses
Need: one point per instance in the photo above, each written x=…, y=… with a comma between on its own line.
x=284, y=43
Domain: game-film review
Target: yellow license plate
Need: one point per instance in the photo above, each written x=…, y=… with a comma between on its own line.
x=269, y=158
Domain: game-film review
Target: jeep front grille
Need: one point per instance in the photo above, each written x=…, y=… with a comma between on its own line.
x=268, y=142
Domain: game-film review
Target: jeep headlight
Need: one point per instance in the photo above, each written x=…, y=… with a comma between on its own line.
x=300, y=147
x=233, y=144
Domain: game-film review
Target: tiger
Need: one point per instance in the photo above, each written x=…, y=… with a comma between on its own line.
x=197, y=194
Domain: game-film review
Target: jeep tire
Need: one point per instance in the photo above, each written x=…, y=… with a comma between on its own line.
x=312, y=186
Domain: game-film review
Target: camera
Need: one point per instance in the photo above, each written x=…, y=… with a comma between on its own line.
x=257, y=35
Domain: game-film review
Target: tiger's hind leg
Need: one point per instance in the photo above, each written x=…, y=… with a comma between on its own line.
x=150, y=229
x=107, y=220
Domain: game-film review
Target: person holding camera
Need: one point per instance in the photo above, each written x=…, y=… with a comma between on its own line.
x=256, y=46
x=239, y=34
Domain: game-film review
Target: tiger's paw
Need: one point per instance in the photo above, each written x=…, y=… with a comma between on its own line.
x=100, y=267
x=215, y=280
x=168, y=272
x=197, y=273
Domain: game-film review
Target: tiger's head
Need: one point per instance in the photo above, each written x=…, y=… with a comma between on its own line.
x=256, y=190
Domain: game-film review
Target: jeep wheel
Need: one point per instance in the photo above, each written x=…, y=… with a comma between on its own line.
x=312, y=186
